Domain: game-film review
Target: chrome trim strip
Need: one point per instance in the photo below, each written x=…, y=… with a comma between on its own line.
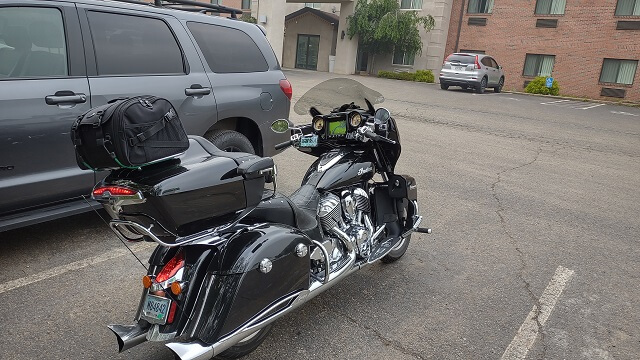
x=416, y=224
x=378, y=232
x=330, y=163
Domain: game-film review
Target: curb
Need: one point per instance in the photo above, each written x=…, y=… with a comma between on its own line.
x=621, y=103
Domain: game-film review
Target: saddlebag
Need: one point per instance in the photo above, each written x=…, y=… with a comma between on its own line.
x=128, y=133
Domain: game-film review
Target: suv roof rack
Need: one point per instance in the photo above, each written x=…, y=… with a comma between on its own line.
x=194, y=6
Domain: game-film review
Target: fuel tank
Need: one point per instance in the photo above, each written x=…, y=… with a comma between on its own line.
x=339, y=168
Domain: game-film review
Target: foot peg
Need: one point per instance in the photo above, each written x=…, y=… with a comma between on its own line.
x=423, y=230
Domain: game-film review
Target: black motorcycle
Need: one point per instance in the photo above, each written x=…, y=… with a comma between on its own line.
x=234, y=257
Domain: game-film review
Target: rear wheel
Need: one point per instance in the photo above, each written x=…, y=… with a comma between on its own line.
x=483, y=85
x=246, y=345
x=444, y=86
x=498, y=88
x=229, y=140
x=464, y=87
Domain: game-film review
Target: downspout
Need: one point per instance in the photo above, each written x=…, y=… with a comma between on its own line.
x=459, y=26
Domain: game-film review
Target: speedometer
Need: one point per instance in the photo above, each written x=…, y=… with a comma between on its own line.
x=318, y=123
x=355, y=119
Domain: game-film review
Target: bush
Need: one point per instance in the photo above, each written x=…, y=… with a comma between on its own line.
x=539, y=86
x=420, y=75
x=425, y=76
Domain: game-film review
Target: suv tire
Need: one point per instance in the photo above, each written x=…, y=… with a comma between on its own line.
x=444, y=86
x=498, y=88
x=229, y=140
x=483, y=85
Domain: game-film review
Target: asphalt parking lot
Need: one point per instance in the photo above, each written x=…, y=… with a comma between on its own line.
x=536, y=217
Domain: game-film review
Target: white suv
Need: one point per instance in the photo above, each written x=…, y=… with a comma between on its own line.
x=478, y=71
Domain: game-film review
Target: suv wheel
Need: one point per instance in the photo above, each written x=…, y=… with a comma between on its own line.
x=483, y=85
x=444, y=86
x=229, y=140
x=498, y=88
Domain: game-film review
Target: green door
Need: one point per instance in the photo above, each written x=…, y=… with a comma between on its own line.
x=307, y=52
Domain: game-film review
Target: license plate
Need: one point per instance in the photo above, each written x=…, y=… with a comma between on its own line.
x=459, y=68
x=309, y=141
x=156, y=309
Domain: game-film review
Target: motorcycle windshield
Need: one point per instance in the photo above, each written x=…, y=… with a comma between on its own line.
x=333, y=93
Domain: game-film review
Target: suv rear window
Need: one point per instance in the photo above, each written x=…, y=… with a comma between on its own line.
x=228, y=50
x=463, y=59
x=132, y=45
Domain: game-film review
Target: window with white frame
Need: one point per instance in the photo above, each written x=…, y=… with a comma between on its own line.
x=313, y=5
x=628, y=7
x=480, y=6
x=618, y=71
x=246, y=4
x=402, y=58
x=538, y=65
x=411, y=4
x=550, y=7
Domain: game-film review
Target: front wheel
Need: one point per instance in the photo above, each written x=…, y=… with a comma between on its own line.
x=397, y=251
x=498, y=88
x=246, y=345
x=444, y=86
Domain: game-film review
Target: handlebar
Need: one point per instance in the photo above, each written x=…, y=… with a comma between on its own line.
x=283, y=145
x=368, y=133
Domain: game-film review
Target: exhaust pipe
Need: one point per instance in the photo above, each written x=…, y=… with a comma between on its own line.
x=191, y=351
x=129, y=335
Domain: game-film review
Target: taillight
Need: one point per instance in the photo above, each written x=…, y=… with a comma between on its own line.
x=446, y=59
x=285, y=85
x=171, y=268
x=114, y=191
x=172, y=313
x=477, y=64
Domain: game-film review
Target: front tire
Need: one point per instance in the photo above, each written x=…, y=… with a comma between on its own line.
x=498, y=88
x=444, y=86
x=246, y=345
x=229, y=140
x=397, y=252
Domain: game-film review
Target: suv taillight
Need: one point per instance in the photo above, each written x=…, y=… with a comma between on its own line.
x=477, y=64
x=285, y=85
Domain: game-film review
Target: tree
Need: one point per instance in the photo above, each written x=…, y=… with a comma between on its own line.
x=383, y=28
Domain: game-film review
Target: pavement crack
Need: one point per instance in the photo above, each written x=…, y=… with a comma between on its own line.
x=384, y=340
x=521, y=256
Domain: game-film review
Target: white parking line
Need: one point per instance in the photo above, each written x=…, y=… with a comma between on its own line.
x=624, y=113
x=553, y=102
x=59, y=270
x=528, y=332
x=592, y=106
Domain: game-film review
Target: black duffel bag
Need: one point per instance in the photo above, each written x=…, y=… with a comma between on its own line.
x=128, y=133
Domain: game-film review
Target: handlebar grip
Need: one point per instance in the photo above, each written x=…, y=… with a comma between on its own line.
x=283, y=145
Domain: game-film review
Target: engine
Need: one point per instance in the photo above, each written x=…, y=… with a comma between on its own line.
x=346, y=218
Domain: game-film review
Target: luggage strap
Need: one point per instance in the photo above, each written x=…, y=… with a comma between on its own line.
x=170, y=115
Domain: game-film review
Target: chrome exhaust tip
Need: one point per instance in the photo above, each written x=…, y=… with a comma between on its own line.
x=191, y=351
x=129, y=335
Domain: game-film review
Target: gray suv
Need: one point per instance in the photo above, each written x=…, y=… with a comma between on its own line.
x=60, y=58
x=470, y=70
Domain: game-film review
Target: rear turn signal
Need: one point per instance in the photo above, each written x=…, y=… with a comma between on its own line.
x=285, y=85
x=113, y=190
x=176, y=288
x=147, y=282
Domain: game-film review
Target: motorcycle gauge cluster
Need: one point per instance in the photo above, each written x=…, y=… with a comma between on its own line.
x=318, y=123
x=355, y=119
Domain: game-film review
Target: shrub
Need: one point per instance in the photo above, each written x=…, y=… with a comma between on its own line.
x=420, y=75
x=539, y=86
x=425, y=76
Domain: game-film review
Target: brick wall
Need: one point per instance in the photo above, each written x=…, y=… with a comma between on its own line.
x=586, y=34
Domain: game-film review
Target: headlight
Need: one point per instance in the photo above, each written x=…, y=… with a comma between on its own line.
x=355, y=119
x=318, y=123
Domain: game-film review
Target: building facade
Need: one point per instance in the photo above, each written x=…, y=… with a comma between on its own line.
x=590, y=47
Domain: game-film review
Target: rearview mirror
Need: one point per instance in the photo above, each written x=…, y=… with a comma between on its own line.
x=382, y=115
x=280, y=126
